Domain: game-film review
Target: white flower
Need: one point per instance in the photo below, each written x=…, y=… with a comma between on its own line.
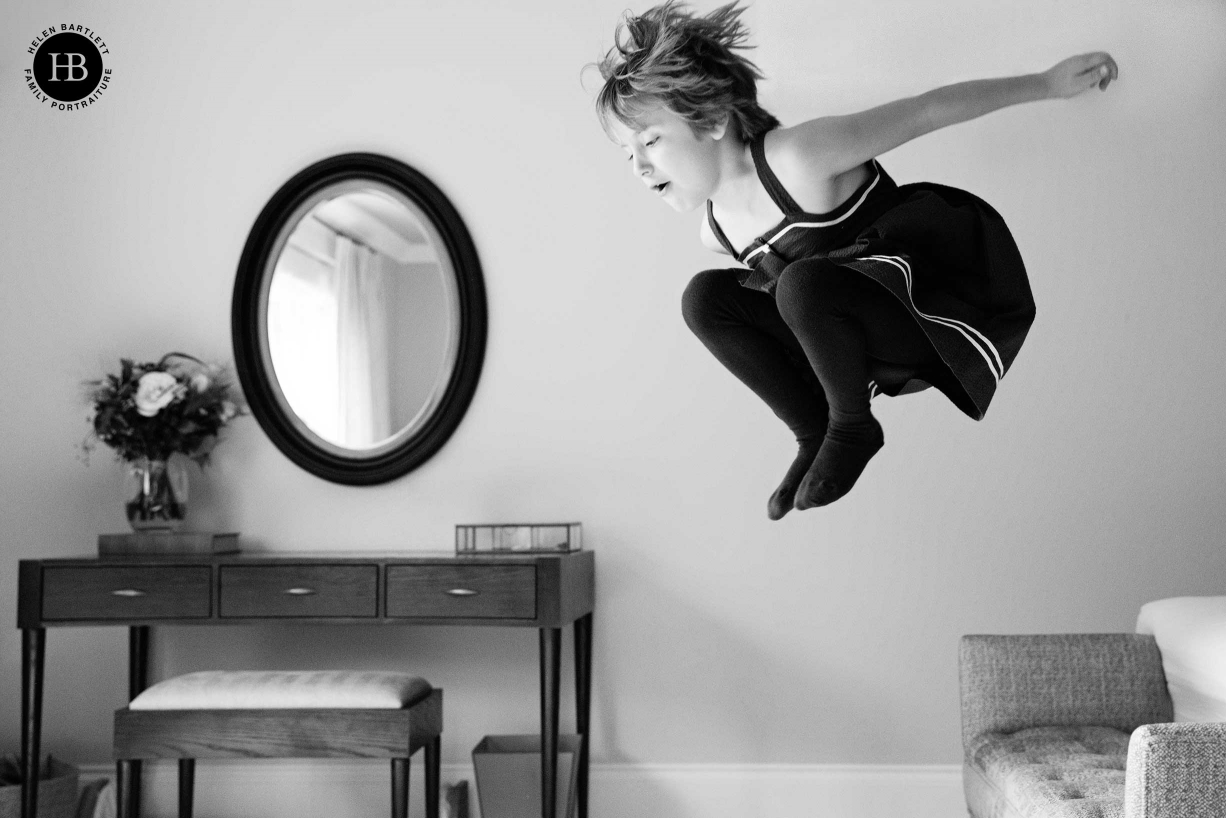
x=200, y=382
x=154, y=391
x=228, y=410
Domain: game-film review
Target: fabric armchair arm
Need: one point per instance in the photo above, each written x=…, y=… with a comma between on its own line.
x=1011, y=682
x=1176, y=769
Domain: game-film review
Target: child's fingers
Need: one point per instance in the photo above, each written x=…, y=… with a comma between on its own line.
x=1100, y=70
x=1089, y=77
x=1107, y=65
x=1108, y=71
x=1082, y=72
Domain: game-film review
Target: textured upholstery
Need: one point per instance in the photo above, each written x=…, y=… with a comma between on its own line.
x=1078, y=726
x=275, y=689
x=1010, y=683
x=1048, y=772
x=1177, y=770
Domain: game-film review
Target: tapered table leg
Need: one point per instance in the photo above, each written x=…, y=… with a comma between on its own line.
x=551, y=676
x=138, y=680
x=138, y=660
x=187, y=786
x=400, y=788
x=123, y=789
x=33, y=653
x=583, y=703
x=433, y=760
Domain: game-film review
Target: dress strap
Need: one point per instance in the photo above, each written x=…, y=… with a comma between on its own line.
x=719, y=233
x=757, y=147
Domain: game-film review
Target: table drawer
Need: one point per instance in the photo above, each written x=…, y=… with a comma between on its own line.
x=127, y=592
x=476, y=591
x=299, y=590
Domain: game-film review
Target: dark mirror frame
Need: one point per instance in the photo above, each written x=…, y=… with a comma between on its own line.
x=245, y=321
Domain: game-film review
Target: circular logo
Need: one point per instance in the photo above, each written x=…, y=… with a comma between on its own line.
x=67, y=72
x=68, y=67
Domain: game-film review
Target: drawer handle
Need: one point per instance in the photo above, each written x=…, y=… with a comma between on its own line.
x=127, y=592
x=461, y=592
x=300, y=591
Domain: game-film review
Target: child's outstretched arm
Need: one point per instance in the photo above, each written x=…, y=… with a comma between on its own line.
x=834, y=144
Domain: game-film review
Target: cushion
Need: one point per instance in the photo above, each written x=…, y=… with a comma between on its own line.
x=275, y=689
x=1191, y=634
x=1048, y=772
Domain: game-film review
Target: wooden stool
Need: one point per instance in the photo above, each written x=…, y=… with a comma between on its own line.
x=274, y=714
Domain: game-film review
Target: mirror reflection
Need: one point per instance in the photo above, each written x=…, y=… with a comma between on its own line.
x=362, y=317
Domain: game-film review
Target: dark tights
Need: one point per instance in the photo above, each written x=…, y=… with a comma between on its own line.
x=808, y=352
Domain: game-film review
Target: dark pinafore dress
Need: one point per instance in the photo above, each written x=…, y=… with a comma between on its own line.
x=945, y=254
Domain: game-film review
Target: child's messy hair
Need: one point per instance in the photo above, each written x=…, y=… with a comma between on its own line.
x=686, y=63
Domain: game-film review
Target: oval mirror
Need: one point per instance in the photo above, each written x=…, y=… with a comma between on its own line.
x=359, y=319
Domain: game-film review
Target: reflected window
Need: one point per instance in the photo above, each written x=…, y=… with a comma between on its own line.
x=302, y=340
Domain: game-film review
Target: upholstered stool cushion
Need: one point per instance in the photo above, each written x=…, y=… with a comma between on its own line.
x=1052, y=772
x=276, y=689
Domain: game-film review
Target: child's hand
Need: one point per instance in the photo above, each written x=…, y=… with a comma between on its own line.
x=1081, y=73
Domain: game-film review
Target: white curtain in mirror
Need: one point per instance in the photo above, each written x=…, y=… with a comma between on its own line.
x=328, y=336
x=364, y=409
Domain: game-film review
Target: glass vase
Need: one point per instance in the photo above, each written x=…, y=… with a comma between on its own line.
x=155, y=494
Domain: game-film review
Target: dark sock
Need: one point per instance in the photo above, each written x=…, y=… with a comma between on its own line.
x=781, y=502
x=844, y=453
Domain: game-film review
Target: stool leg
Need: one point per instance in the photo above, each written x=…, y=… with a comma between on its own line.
x=400, y=788
x=433, y=782
x=125, y=798
x=187, y=786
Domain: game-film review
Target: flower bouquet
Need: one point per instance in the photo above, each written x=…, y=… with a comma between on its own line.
x=152, y=411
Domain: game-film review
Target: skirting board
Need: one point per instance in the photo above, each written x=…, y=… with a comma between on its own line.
x=359, y=789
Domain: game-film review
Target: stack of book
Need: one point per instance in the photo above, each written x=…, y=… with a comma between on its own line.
x=156, y=543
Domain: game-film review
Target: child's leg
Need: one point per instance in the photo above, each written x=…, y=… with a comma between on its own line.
x=840, y=318
x=745, y=332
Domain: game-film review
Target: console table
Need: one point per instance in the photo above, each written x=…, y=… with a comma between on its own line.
x=543, y=591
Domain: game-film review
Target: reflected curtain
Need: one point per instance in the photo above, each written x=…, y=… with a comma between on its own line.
x=362, y=345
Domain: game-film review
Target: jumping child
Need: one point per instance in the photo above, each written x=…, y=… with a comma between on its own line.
x=853, y=286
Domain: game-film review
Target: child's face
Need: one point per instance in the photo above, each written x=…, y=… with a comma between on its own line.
x=673, y=161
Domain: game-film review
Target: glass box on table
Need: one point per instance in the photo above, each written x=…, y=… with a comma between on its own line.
x=518, y=537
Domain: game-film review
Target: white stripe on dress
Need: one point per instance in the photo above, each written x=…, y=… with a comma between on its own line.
x=998, y=368
x=766, y=246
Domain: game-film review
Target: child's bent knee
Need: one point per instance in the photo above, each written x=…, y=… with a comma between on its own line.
x=813, y=285
x=707, y=295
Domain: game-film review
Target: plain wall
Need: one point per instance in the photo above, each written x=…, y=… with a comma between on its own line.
x=1094, y=484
